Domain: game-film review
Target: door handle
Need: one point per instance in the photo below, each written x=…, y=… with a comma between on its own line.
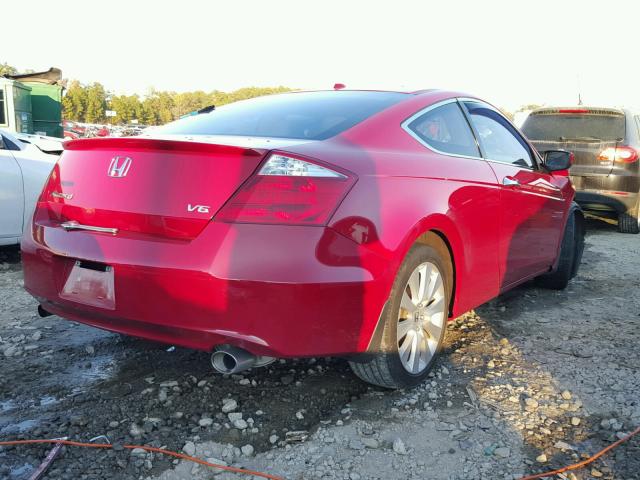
x=510, y=182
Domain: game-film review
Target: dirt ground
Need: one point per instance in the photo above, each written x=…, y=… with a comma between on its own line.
x=532, y=381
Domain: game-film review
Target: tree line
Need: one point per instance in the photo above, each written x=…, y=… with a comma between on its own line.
x=90, y=102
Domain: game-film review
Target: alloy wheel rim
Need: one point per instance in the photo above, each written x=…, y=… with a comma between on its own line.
x=421, y=317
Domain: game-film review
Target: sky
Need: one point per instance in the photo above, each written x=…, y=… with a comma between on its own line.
x=510, y=53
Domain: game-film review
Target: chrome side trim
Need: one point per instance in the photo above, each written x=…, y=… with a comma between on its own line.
x=536, y=154
x=405, y=127
x=512, y=164
x=73, y=225
x=535, y=194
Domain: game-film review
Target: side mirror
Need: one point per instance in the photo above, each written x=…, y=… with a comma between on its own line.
x=557, y=160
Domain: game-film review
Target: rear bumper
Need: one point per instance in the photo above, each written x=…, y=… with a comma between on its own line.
x=607, y=202
x=273, y=290
x=614, y=193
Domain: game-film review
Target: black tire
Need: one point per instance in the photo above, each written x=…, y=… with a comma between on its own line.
x=628, y=223
x=383, y=366
x=570, y=254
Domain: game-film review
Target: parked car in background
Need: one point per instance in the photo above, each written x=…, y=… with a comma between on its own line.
x=606, y=144
x=331, y=223
x=24, y=169
x=103, y=131
x=71, y=135
x=73, y=130
x=74, y=127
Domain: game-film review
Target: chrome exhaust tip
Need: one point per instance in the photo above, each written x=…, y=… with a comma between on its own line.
x=227, y=359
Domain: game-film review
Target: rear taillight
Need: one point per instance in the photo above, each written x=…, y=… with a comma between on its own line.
x=618, y=155
x=49, y=204
x=288, y=190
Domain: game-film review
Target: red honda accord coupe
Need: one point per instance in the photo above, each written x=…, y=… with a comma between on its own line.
x=330, y=223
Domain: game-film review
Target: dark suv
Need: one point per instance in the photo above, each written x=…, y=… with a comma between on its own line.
x=606, y=168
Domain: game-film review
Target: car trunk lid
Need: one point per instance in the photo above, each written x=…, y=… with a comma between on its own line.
x=132, y=186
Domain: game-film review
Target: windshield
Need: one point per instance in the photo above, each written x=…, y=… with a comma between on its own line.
x=566, y=127
x=308, y=115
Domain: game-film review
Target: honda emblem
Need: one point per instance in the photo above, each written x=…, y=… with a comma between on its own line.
x=119, y=167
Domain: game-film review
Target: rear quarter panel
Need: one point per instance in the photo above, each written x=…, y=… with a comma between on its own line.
x=455, y=197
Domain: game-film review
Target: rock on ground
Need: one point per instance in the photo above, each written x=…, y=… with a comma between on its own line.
x=532, y=381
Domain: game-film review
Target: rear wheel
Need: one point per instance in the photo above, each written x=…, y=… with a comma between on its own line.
x=570, y=255
x=414, y=323
x=629, y=223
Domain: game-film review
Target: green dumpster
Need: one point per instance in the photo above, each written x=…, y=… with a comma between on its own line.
x=46, y=107
x=15, y=106
x=38, y=102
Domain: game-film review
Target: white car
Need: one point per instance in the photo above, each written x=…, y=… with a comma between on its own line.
x=23, y=170
x=51, y=145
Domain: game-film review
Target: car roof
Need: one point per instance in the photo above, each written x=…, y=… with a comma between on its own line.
x=381, y=90
x=436, y=93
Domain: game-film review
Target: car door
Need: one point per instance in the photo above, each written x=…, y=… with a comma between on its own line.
x=532, y=204
x=11, y=195
x=472, y=197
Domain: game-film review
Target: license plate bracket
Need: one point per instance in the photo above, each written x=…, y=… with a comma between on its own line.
x=90, y=283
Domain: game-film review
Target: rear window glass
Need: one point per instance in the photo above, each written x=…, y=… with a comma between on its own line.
x=566, y=127
x=308, y=115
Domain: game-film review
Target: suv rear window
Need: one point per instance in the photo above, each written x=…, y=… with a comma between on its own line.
x=569, y=126
x=307, y=115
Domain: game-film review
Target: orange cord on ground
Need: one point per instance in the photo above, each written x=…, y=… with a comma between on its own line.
x=586, y=462
x=574, y=466
x=148, y=449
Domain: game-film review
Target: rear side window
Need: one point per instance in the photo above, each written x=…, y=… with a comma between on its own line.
x=560, y=127
x=498, y=138
x=445, y=130
x=308, y=115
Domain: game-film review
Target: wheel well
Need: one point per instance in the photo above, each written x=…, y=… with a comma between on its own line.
x=439, y=241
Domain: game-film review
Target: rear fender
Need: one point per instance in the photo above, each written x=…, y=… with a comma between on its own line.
x=445, y=230
x=444, y=227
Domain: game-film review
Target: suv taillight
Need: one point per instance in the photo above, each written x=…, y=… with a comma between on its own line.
x=288, y=190
x=618, y=155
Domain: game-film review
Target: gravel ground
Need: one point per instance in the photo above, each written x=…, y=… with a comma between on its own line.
x=529, y=382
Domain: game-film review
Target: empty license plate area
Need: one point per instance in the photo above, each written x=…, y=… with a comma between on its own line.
x=90, y=283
